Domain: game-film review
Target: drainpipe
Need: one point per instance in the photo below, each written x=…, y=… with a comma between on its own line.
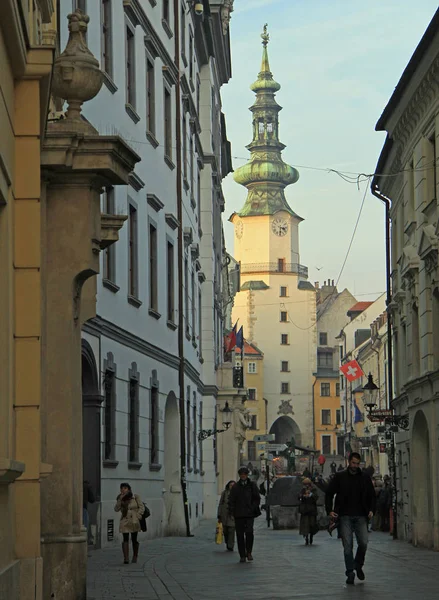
x=375, y=191
x=180, y=268
x=313, y=414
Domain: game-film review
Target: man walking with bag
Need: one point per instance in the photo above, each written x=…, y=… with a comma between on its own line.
x=355, y=502
x=244, y=502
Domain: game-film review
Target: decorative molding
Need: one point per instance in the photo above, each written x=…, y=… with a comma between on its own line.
x=151, y=46
x=201, y=277
x=134, y=465
x=188, y=236
x=285, y=408
x=197, y=265
x=172, y=325
x=167, y=28
x=153, y=313
x=152, y=139
x=10, y=470
x=172, y=221
x=110, y=464
x=134, y=301
x=169, y=162
x=110, y=227
x=154, y=202
x=195, y=251
x=132, y=113
x=110, y=83
x=110, y=285
x=169, y=75
x=135, y=181
x=155, y=467
x=226, y=15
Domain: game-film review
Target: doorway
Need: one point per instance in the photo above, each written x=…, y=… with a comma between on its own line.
x=421, y=482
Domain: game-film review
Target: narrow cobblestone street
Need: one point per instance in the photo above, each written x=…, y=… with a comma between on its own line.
x=197, y=569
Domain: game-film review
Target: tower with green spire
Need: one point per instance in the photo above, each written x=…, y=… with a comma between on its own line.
x=265, y=175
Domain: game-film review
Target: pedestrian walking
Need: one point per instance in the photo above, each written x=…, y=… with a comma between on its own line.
x=355, y=502
x=308, y=511
x=244, y=502
x=87, y=498
x=131, y=508
x=226, y=518
x=384, y=503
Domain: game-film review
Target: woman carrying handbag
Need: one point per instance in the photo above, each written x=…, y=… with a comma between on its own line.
x=131, y=508
x=308, y=511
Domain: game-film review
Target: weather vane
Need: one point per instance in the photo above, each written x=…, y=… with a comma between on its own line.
x=265, y=36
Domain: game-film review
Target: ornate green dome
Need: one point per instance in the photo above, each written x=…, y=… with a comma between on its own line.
x=265, y=175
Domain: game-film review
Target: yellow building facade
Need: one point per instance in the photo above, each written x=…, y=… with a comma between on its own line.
x=253, y=364
x=327, y=415
x=27, y=47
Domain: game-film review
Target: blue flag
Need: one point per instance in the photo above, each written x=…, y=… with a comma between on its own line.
x=358, y=417
x=240, y=339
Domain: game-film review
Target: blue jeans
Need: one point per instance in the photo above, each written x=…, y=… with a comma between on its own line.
x=349, y=526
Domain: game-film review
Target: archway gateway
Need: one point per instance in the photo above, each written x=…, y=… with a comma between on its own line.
x=285, y=428
x=421, y=482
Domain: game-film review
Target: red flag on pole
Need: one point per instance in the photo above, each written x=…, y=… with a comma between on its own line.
x=352, y=370
x=230, y=340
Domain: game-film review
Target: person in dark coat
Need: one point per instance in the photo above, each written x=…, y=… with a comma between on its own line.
x=87, y=498
x=384, y=503
x=356, y=502
x=244, y=500
x=308, y=511
x=225, y=518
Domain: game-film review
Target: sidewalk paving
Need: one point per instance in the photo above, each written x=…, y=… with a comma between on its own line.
x=284, y=568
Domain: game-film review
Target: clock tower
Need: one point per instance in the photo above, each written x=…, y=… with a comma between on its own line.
x=276, y=304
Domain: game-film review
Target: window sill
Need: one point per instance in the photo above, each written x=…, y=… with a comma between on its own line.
x=189, y=469
x=169, y=162
x=193, y=203
x=154, y=313
x=153, y=3
x=108, y=80
x=110, y=464
x=188, y=336
x=194, y=342
x=110, y=285
x=167, y=28
x=135, y=466
x=152, y=139
x=134, y=301
x=171, y=325
x=132, y=113
x=184, y=59
x=196, y=471
x=155, y=467
x=186, y=184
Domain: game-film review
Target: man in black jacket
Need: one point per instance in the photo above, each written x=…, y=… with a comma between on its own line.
x=244, y=502
x=355, y=505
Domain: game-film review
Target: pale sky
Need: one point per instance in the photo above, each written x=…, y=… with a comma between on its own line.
x=338, y=62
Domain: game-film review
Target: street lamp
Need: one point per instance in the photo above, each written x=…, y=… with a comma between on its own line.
x=371, y=392
x=227, y=421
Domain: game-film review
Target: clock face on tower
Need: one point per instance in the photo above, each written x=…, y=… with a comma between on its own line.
x=239, y=228
x=279, y=226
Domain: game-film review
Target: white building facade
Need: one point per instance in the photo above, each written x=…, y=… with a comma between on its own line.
x=150, y=357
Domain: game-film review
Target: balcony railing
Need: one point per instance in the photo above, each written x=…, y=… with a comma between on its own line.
x=274, y=267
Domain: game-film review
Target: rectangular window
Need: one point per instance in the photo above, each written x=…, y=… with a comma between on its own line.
x=194, y=307
x=150, y=96
x=325, y=389
x=168, y=123
x=133, y=421
x=326, y=417
x=170, y=276
x=252, y=367
x=281, y=265
x=130, y=67
x=186, y=293
x=188, y=428
x=251, y=393
x=191, y=56
x=284, y=339
x=283, y=316
x=200, y=444
x=323, y=339
x=154, y=426
x=338, y=416
x=337, y=389
x=198, y=95
x=191, y=162
x=184, y=133
x=195, y=425
x=251, y=451
x=132, y=252
x=324, y=359
x=326, y=444
x=285, y=367
x=199, y=197
x=283, y=291
x=284, y=387
x=109, y=254
x=183, y=32
x=200, y=324
x=253, y=422
x=153, y=268
x=165, y=15
x=109, y=415
x=106, y=39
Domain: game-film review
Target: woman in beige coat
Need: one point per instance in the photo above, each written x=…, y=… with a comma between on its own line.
x=131, y=508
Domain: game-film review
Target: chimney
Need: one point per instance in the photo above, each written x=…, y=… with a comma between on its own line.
x=316, y=285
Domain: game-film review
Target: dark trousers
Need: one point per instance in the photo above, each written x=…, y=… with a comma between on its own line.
x=229, y=536
x=126, y=537
x=349, y=526
x=244, y=535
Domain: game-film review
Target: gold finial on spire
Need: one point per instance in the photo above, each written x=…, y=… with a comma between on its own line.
x=265, y=36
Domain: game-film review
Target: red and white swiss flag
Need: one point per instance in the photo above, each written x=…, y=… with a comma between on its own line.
x=352, y=370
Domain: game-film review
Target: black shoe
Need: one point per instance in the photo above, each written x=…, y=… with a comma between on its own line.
x=229, y=549
x=249, y=557
x=360, y=573
x=242, y=559
x=351, y=578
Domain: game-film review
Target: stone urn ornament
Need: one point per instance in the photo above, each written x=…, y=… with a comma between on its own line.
x=77, y=77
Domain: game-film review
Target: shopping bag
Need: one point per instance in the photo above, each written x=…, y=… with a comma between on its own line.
x=219, y=533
